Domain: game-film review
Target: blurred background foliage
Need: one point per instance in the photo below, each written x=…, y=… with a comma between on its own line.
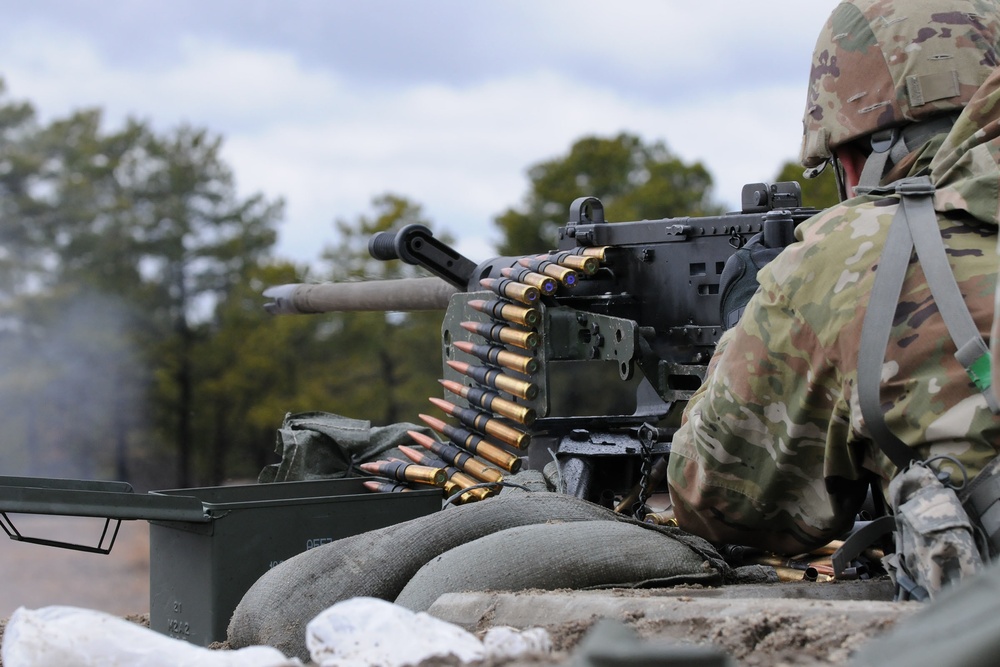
x=133, y=342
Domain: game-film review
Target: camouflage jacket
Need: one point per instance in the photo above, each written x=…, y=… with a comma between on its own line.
x=773, y=450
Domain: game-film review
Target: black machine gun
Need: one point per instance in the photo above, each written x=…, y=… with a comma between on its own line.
x=587, y=353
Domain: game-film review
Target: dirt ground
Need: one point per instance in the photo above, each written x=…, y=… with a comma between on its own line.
x=791, y=629
x=754, y=640
x=37, y=576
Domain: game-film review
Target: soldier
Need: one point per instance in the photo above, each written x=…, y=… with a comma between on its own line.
x=774, y=450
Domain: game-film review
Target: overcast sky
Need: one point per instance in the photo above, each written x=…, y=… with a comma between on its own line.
x=328, y=103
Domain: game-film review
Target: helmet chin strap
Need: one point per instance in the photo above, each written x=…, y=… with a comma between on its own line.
x=883, y=143
x=891, y=145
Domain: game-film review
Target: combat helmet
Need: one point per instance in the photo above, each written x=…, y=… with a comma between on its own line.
x=898, y=71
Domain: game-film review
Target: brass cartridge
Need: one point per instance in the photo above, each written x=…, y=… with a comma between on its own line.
x=492, y=401
x=512, y=289
x=496, y=355
x=545, y=284
x=508, y=312
x=406, y=472
x=500, y=333
x=567, y=277
x=458, y=458
x=485, y=423
x=475, y=444
x=493, y=378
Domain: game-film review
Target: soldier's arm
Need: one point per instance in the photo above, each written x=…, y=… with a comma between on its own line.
x=750, y=464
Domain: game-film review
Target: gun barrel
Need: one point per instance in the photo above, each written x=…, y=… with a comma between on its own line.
x=404, y=294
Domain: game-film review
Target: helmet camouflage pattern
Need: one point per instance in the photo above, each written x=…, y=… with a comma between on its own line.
x=884, y=63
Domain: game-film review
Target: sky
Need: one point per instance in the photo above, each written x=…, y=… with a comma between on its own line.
x=328, y=103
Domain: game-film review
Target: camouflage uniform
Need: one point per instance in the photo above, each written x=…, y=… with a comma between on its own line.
x=773, y=450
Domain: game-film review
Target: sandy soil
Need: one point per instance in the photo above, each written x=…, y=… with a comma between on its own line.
x=755, y=641
x=37, y=576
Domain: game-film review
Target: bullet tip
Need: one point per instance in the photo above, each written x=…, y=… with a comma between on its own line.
x=441, y=403
x=420, y=438
x=434, y=422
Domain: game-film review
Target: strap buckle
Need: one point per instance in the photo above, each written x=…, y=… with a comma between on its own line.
x=915, y=187
x=883, y=141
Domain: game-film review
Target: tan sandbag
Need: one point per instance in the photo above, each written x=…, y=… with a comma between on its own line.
x=379, y=563
x=549, y=556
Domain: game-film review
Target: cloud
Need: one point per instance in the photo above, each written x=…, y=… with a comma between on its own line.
x=705, y=79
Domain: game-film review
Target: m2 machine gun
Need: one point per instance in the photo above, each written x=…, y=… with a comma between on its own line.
x=586, y=354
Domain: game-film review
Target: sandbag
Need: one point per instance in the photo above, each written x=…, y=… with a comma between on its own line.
x=579, y=555
x=379, y=563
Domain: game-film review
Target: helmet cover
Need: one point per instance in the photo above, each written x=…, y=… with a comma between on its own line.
x=884, y=63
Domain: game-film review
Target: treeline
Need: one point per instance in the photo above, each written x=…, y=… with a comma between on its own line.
x=133, y=343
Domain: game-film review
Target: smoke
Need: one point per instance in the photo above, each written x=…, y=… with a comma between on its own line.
x=72, y=389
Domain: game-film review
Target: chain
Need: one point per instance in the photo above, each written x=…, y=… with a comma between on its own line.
x=645, y=434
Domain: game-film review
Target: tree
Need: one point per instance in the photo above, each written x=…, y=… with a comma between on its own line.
x=149, y=228
x=59, y=203
x=819, y=192
x=256, y=368
x=632, y=179
x=381, y=366
x=198, y=240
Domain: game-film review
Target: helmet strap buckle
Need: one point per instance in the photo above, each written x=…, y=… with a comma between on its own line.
x=875, y=166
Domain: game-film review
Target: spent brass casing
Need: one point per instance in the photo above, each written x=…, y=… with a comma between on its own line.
x=512, y=289
x=406, y=472
x=386, y=487
x=508, y=312
x=586, y=265
x=661, y=518
x=545, y=284
x=485, y=423
x=791, y=574
x=566, y=276
x=458, y=458
x=475, y=444
x=501, y=333
x=491, y=377
x=496, y=355
x=492, y=401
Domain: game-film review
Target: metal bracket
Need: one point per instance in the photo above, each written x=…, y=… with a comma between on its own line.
x=16, y=535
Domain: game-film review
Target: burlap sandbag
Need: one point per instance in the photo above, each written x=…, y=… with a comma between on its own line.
x=581, y=554
x=379, y=563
